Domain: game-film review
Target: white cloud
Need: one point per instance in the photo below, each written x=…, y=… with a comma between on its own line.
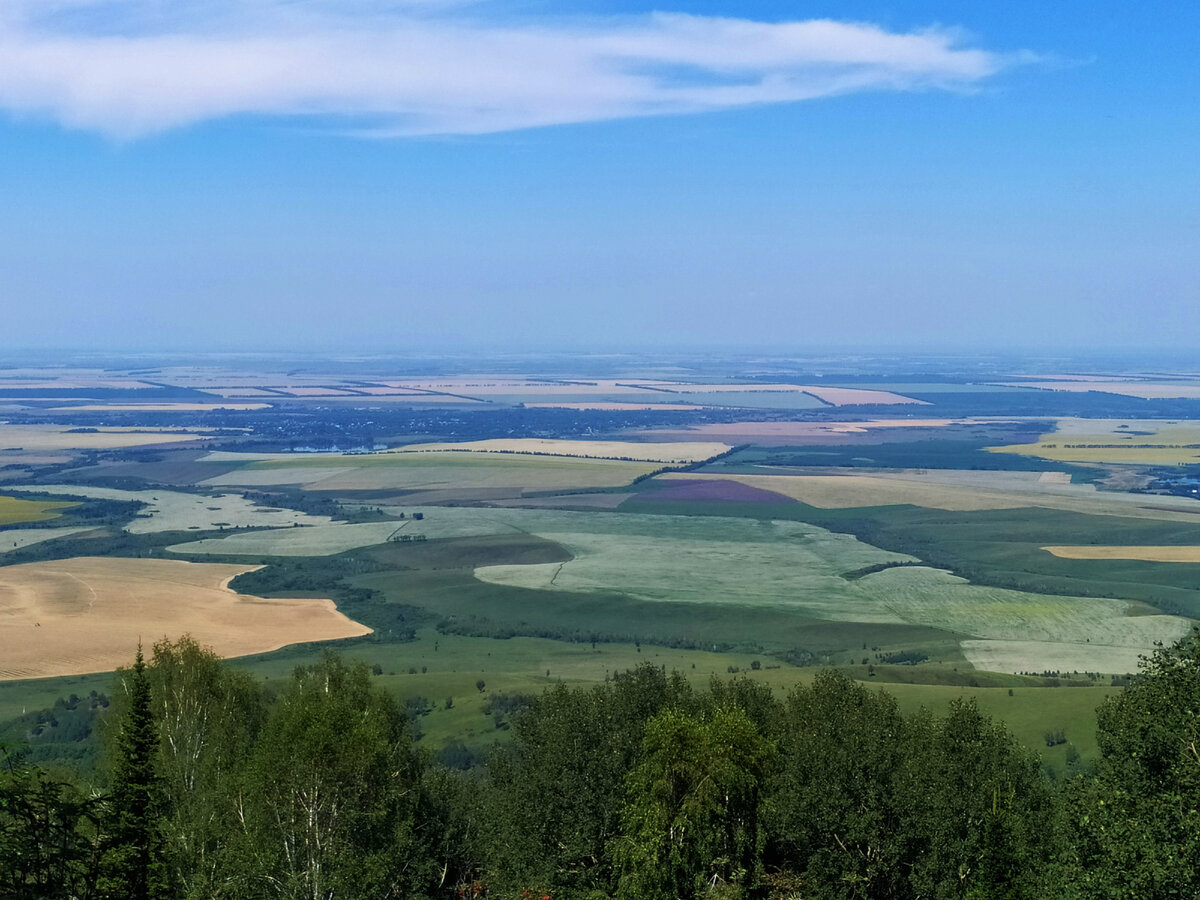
x=128, y=68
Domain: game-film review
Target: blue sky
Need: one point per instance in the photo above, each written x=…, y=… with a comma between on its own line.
x=366, y=174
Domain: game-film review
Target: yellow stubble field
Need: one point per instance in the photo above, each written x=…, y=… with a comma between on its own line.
x=87, y=614
x=1171, y=554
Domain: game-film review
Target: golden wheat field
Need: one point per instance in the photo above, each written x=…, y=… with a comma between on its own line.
x=1128, y=441
x=88, y=614
x=1173, y=554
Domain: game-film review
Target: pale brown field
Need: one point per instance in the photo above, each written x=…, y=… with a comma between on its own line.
x=673, y=452
x=483, y=385
x=617, y=407
x=240, y=392
x=691, y=387
x=159, y=407
x=315, y=392
x=74, y=381
x=858, y=397
x=1141, y=389
x=56, y=437
x=733, y=432
x=1069, y=378
x=1147, y=554
x=33, y=459
x=88, y=614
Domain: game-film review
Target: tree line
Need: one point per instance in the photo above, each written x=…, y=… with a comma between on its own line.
x=643, y=788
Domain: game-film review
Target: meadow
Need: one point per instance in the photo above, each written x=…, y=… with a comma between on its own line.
x=436, y=666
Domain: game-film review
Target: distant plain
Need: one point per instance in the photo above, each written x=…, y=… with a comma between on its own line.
x=932, y=534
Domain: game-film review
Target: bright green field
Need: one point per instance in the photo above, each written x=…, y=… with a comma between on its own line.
x=14, y=511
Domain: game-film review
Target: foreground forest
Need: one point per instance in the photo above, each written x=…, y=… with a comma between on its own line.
x=641, y=789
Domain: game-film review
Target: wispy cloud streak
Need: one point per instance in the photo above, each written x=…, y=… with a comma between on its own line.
x=128, y=68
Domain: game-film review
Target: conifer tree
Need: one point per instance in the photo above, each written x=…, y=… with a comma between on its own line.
x=133, y=866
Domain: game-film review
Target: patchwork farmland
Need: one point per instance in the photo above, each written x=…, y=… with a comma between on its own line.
x=924, y=535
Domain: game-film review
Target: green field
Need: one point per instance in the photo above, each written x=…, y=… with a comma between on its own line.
x=1002, y=548
x=454, y=664
x=17, y=511
x=431, y=471
x=501, y=595
x=785, y=580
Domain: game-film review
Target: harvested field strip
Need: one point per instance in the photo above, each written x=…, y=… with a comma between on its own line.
x=1147, y=554
x=675, y=452
x=88, y=614
x=60, y=437
x=1142, y=390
